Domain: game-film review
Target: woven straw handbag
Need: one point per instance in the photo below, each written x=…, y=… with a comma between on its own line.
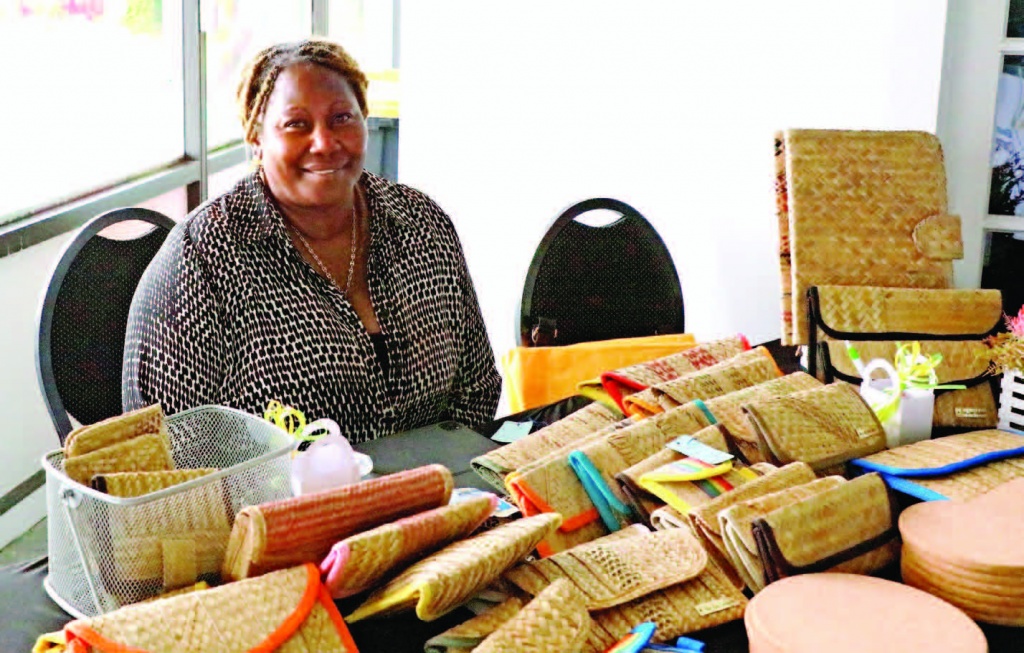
x=860, y=208
x=495, y=465
x=823, y=427
x=447, y=579
x=741, y=371
x=303, y=529
x=728, y=410
x=359, y=562
x=665, y=577
x=621, y=383
x=958, y=467
x=288, y=610
x=551, y=485
x=850, y=527
x=952, y=323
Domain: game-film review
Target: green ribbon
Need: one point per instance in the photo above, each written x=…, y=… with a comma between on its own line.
x=914, y=371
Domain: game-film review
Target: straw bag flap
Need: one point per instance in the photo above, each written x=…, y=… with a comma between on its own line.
x=284, y=611
x=829, y=528
x=302, y=529
x=938, y=237
x=555, y=620
x=741, y=371
x=860, y=311
x=822, y=427
x=468, y=635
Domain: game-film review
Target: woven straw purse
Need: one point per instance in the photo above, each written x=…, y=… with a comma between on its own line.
x=665, y=577
x=860, y=208
x=359, y=562
x=728, y=410
x=621, y=383
x=952, y=323
x=469, y=634
x=495, y=465
x=958, y=467
x=445, y=580
x=555, y=620
x=551, y=485
x=850, y=527
x=303, y=529
x=286, y=610
x=741, y=371
x=823, y=427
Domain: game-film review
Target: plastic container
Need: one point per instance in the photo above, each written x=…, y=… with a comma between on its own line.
x=912, y=421
x=106, y=552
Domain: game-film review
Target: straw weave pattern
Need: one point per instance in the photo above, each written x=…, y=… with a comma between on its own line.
x=869, y=309
x=670, y=367
x=854, y=200
x=468, y=635
x=555, y=620
x=742, y=371
x=136, y=484
x=144, y=453
x=115, y=429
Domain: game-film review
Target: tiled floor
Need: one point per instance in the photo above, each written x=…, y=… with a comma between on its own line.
x=28, y=546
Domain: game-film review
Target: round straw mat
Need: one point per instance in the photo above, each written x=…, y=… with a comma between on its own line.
x=846, y=613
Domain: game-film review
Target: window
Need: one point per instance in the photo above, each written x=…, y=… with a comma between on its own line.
x=366, y=29
x=79, y=114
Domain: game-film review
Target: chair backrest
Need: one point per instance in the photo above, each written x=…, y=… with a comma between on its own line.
x=84, y=314
x=599, y=282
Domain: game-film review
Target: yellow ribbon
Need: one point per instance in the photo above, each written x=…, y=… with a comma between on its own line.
x=292, y=421
x=915, y=371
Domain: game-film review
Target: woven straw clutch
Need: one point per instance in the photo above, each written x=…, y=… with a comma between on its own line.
x=860, y=208
x=302, y=529
x=361, y=561
x=955, y=467
x=495, y=465
x=822, y=427
x=283, y=611
x=555, y=620
x=551, y=485
x=728, y=410
x=143, y=453
x=136, y=484
x=469, y=634
x=445, y=580
x=741, y=371
x=115, y=429
x=619, y=384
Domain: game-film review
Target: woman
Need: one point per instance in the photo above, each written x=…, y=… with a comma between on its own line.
x=312, y=282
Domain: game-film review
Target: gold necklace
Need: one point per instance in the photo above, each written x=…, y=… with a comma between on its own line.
x=352, y=247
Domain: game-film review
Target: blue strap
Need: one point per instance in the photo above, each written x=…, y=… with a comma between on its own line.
x=600, y=494
x=913, y=489
x=931, y=472
x=707, y=411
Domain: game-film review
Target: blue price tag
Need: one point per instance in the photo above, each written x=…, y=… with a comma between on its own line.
x=693, y=448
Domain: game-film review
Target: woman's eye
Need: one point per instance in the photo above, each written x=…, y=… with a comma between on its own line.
x=295, y=124
x=342, y=118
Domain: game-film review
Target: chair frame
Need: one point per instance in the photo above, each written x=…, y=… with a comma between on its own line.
x=44, y=353
x=527, y=336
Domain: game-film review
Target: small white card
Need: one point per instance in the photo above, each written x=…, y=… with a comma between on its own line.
x=689, y=446
x=504, y=509
x=512, y=431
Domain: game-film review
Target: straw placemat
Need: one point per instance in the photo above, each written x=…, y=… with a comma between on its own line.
x=555, y=620
x=361, y=561
x=286, y=610
x=445, y=580
x=302, y=529
x=115, y=429
x=823, y=426
x=863, y=208
x=495, y=465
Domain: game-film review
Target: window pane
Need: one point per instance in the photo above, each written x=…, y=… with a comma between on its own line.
x=173, y=204
x=1006, y=196
x=223, y=181
x=91, y=96
x=1015, y=21
x=365, y=28
x=235, y=31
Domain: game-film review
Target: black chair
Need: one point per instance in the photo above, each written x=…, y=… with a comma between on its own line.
x=84, y=314
x=591, y=283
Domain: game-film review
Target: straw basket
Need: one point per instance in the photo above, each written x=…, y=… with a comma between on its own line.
x=1011, y=401
x=106, y=551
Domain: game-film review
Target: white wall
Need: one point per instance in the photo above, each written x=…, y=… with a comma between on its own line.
x=512, y=111
x=26, y=432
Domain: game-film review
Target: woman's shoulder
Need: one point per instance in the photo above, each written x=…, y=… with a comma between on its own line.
x=410, y=207
x=219, y=223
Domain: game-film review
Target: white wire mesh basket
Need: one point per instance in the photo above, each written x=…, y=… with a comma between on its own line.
x=1011, y=401
x=106, y=552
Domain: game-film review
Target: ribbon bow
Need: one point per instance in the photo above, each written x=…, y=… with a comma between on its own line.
x=913, y=371
x=293, y=422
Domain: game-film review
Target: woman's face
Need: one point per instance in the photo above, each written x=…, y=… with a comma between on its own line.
x=313, y=140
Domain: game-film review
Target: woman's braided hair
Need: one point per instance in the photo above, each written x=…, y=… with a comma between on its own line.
x=261, y=73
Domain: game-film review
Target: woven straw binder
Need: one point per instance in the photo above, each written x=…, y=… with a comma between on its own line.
x=823, y=427
x=286, y=610
x=302, y=529
x=361, y=561
x=860, y=208
x=445, y=580
x=495, y=465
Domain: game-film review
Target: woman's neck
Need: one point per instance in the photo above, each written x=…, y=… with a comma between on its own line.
x=324, y=222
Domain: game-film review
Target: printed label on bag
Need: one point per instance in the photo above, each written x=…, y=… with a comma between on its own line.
x=970, y=412
x=690, y=446
x=717, y=605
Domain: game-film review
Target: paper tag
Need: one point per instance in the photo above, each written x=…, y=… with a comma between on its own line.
x=512, y=431
x=689, y=446
x=970, y=412
x=504, y=508
x=716, y=605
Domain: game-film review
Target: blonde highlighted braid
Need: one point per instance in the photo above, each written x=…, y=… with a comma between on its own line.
x=260, y=76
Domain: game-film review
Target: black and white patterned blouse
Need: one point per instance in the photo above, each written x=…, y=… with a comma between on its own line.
x=229, y=313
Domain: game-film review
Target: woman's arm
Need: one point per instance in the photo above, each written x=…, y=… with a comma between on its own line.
x=173, y=351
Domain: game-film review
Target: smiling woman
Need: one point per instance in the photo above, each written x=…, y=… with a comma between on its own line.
x=312, y=281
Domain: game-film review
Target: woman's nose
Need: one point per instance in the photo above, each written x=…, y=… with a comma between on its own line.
x=324, y=140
